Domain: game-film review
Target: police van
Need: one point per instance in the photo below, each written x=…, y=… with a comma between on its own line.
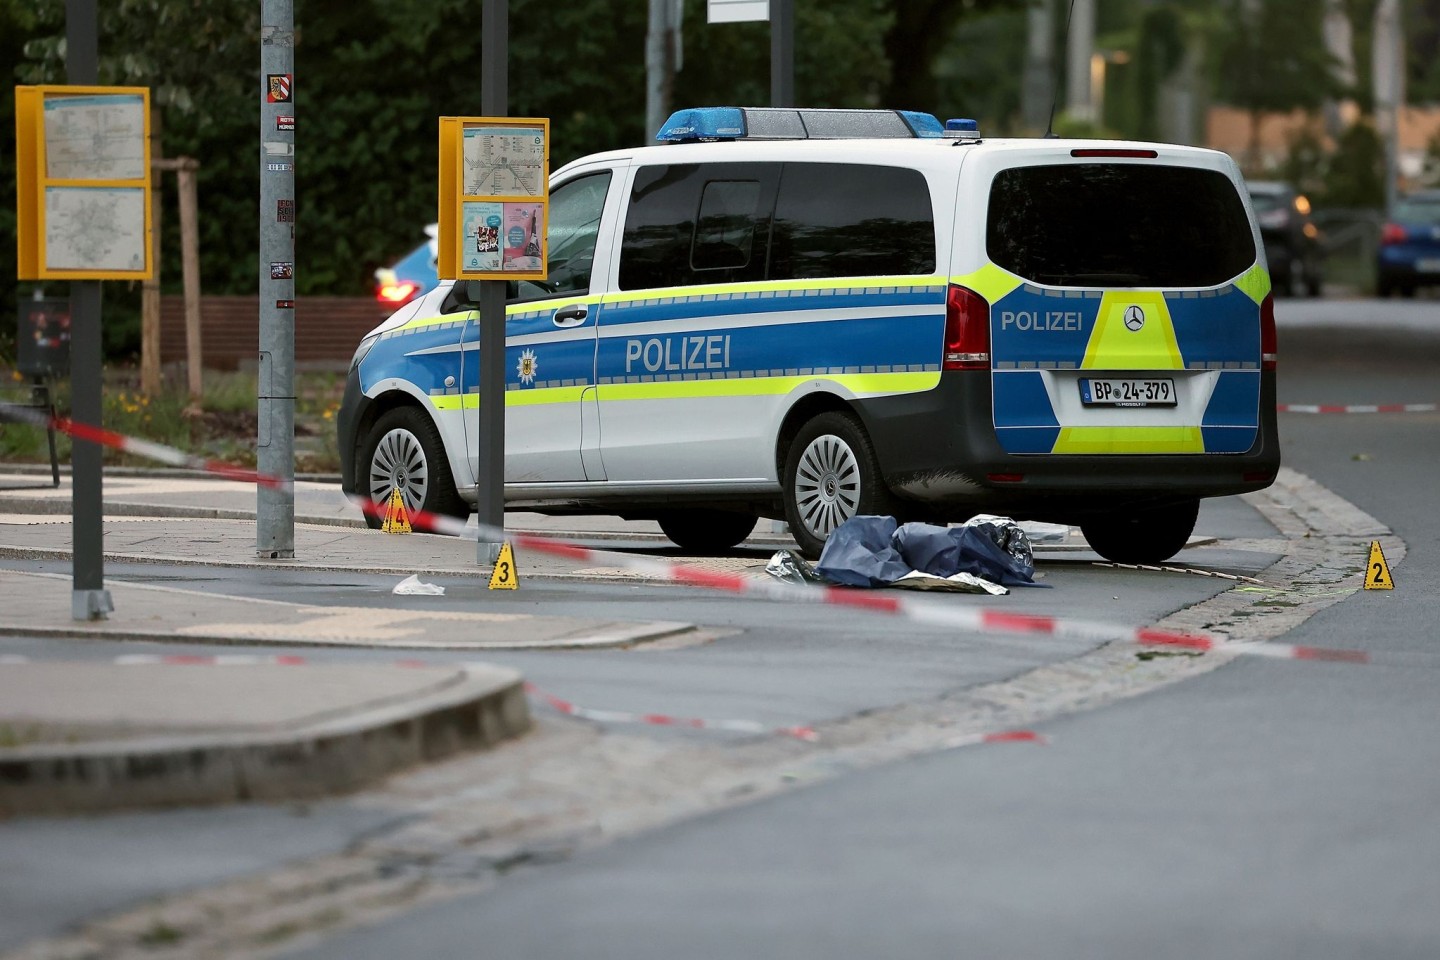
x=811, y=314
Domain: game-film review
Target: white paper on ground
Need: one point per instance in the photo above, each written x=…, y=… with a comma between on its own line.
x=412, y=586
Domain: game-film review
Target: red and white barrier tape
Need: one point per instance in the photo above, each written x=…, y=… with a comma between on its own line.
x=138, y=447
x=916, y=609
x=664, y=720
x=1358, y=408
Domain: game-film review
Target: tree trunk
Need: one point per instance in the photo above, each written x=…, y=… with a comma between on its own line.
x=150, y=289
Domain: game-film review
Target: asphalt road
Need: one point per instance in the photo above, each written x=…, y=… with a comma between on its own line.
x=1269, y=809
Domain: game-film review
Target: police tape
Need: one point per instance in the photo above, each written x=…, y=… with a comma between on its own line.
x=1357, y=408
x=136, y=446
x=915, y=609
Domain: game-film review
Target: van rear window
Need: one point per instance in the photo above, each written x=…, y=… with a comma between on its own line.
x=1113, y=224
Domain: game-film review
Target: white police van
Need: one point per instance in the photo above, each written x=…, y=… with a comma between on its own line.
x=809, y=314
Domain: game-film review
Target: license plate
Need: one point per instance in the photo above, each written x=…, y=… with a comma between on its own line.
x=1127, y=392
x=1429, y=265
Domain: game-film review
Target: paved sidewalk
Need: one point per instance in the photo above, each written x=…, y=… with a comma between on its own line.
x=83, y=736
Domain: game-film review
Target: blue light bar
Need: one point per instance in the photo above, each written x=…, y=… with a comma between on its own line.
x=924, y=124
x=703, y=123
x=699, y=124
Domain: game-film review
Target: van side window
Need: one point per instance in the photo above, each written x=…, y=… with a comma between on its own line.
x=851, y=220
x=697, y=223
x=726, y=225
x=575, y=208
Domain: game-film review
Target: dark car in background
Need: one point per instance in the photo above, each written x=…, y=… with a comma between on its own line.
x=413, y=275
x=1292, y=241
x=1409, y=255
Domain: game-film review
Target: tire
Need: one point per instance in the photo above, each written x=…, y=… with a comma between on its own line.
x=1290, y=284
x=831, y=474
x=1142, y=535
x=1384, y=288
x=707, y=531
x=404, y=450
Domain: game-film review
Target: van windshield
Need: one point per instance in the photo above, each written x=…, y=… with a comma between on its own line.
x=1118, y=224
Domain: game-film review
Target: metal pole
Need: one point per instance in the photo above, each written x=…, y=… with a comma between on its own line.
x=655, y=66
x=275, y=447
x=1038, y=86
x=1079, y=102
x=89, y=600
x=782, y=53
x=490, y=464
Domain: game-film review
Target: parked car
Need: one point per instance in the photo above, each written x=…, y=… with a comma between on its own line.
x=413, y=275
x=814, y=314
x=1292, y=241
x=1409, y=255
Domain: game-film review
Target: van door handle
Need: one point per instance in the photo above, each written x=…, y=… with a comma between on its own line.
x=571, y=316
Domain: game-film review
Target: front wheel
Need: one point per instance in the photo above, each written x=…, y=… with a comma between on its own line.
x=404, y=452
x=707, y=531
x=831, y=475
x=1148, y=535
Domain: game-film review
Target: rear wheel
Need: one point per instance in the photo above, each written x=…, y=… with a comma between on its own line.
x=831, y=475
x=1147, y=535
x=706, y=531
x=404, y=452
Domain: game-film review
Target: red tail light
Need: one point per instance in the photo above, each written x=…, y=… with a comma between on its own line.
x=967, y=330
x=1393, y=233
x=1115, y=152
x=1269, y=343
x=396, y=293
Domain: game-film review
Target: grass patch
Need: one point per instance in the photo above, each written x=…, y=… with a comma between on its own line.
x=222, y=427
x=160, y=934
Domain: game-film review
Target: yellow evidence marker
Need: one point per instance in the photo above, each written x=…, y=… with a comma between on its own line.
x=505, y=577
x=1377, y=571
x=397, y=518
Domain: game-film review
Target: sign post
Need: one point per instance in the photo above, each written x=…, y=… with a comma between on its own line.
x=275, y=445
x=83, y=214
x=494, y=199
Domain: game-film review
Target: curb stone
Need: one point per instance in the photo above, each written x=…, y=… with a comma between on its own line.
x=475, y=707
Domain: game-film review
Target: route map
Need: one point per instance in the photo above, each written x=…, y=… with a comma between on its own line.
x=94, y=228
x=95, y=137
x=504, y=162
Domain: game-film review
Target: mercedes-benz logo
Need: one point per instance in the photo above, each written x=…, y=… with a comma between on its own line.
x=1134, y=318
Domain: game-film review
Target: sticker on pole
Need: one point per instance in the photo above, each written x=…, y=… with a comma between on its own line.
x=397, y=518
x=1377, y=571
x=505, y=577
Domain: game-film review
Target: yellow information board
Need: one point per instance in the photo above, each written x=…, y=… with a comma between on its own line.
x=494, y=198
x=82, y=161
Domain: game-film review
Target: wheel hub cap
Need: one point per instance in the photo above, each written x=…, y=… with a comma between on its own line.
x=399, y=464
x=827, y=485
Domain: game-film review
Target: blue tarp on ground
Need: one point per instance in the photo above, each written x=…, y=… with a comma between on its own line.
x=871, y=551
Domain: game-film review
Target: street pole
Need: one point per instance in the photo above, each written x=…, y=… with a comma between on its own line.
x=89, y=600
x=275, y=445
x=1388, y=71
x=490, y=463
x=1080, y=48
x=782, y=53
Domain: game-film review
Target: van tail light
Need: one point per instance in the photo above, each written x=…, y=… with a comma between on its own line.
x=1268, y=341
x=1392, y=234
x=396, y=293
x=967, y=330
